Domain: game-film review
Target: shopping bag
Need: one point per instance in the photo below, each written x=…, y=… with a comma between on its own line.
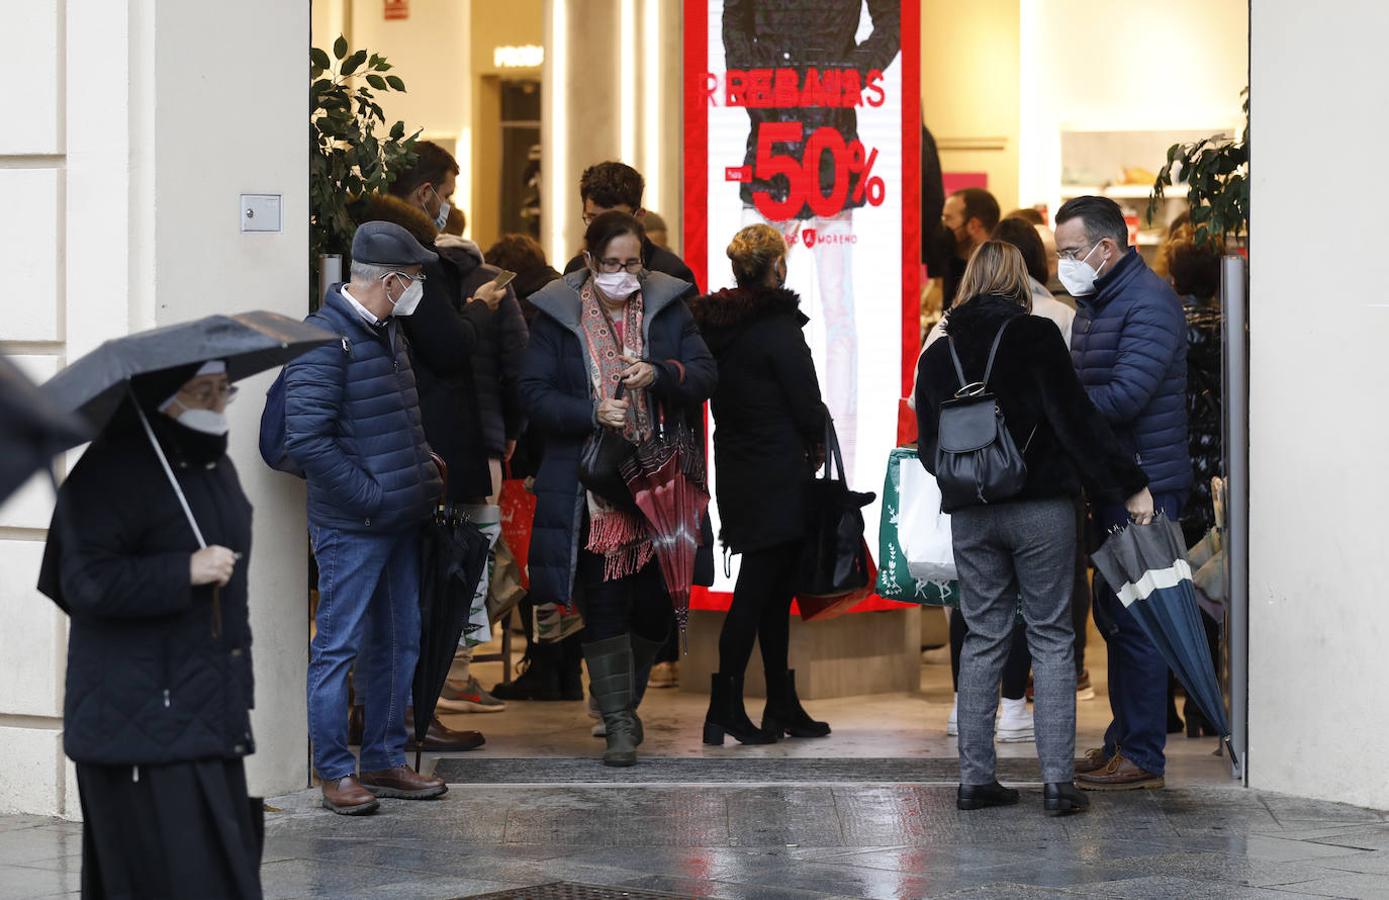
x=924, y=531
x=487, y=519
x=518, y=517
x=895, y=581
x=505, y=591
x=555, y=622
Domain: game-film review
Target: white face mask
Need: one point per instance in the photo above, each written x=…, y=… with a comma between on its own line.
x=406, y=304
x=617, y=285
x=205, y=420
x=1076, y=274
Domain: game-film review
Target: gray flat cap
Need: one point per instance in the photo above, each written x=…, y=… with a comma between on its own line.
x=387, y=244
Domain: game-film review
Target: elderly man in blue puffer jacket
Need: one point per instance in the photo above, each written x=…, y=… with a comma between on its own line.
x=1128, y=344
x=352, y=423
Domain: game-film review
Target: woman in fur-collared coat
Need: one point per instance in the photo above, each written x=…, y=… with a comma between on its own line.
x=769, y=426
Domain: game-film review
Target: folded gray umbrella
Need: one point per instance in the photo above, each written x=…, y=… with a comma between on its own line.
x=32, y=430
x=1147, y=567
x=95, y=385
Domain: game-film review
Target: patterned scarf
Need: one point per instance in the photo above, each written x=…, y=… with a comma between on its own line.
x=619, y=536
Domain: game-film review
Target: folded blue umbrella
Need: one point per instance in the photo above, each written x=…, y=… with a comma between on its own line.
x=1147, y=567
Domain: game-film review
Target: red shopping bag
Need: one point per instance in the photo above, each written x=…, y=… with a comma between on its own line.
x=518, y=517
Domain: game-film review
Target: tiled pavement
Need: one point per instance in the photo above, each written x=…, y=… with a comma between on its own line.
x=787, y=841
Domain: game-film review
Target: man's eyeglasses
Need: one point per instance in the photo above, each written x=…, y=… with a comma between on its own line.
x=1075, y=252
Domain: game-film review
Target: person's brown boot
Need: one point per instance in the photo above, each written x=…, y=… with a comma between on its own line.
x=347, y=797
x=1093, y=761
x=403, y=783
x=440, y=738
x=1120, y=775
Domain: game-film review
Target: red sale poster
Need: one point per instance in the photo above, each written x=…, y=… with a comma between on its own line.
x=805, y=114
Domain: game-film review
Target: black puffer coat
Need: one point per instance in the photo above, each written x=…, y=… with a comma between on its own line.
x=768, y=416
x=148, y=679
x=562, y=412
x=1037, y=389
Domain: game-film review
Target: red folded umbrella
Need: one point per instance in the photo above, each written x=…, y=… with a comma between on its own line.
x=666, y=478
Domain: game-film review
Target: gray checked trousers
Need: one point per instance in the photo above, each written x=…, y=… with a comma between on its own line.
x=1028, y=548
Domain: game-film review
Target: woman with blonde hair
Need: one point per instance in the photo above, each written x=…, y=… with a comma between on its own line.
x=1023, y=543
x=769, y=425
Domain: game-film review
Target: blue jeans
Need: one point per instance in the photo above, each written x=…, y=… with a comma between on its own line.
x=368, y=602
x=1137, y=671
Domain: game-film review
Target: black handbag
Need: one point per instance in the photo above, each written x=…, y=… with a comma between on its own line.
x=977, y=460
x=834, y=557
x=600, y=464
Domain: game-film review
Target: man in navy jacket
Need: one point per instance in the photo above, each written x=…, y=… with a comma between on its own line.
x=352, y=423
x=1128, y=344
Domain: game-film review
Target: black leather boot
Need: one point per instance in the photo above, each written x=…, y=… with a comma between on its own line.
x=644, y=654
x=983, y=796
x=540, y=680
x=784, y=713
x=1063, y=799
x=610, y=676
x=571, y=669
x=726, y=714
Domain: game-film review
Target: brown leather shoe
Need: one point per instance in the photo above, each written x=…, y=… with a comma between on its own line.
x=347, y=797
x=1120, y=775
x=440, y=738
x=1093, y=761
x=403, y=783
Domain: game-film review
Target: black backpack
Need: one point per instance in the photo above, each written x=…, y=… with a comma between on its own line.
x=977, y=460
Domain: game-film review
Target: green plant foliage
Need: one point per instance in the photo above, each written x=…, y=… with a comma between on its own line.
x=347, y=157
x=1216, y=173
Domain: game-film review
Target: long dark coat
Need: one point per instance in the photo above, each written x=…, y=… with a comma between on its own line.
x=467, y=358
x=150, y=677
x=561, y=410
x=768, y=415
x=1068, y=443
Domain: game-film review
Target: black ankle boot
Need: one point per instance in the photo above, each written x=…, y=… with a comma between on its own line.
x=784, y=713
x=726, y=714
x=540, y=680
x=983, y=796
x=1063, y=799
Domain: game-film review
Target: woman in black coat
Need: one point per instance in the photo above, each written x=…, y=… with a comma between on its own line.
x=157, y=708
x=769, y=427
x=609, y=323
x=1026, y=543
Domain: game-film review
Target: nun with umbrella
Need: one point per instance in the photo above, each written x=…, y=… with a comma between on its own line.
x=148, y=553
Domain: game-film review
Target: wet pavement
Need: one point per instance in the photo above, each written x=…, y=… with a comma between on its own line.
x=787, y=840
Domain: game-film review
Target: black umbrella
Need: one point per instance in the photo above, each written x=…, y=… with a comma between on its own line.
x=95, y=385
x=31, y=430
x=453, y=555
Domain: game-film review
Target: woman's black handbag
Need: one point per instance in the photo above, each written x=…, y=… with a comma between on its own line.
x=834, y=558
x=600, y=464
x=977, y=460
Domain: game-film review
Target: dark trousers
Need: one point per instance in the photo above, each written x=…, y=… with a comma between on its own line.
x=637, y=604
x=1015, y=669
x=761, y=609
x=1137, y=671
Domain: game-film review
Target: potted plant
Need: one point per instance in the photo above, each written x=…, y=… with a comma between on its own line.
x=1216, y=173
x=347, y=158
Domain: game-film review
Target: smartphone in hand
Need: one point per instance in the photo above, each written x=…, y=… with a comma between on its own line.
x=503, y=279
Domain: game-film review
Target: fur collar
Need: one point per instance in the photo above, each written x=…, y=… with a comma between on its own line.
x=984, y=313
x=736, y=307
x=390, y=208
